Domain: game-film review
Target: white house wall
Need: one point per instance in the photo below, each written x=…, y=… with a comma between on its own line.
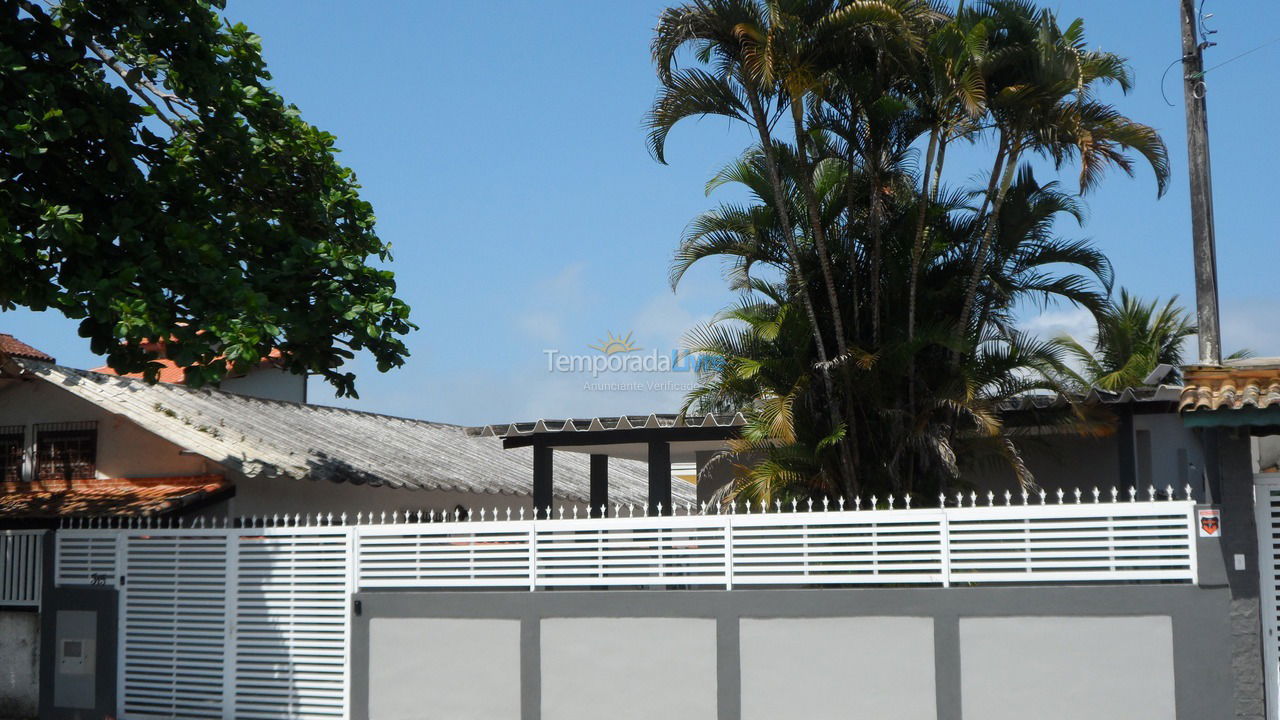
x=124, y=449
x=268, y=384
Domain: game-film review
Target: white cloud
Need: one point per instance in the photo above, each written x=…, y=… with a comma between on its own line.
x=1076, y=322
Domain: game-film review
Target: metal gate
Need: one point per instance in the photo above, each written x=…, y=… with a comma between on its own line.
x=225, y=624
x=1267, y=509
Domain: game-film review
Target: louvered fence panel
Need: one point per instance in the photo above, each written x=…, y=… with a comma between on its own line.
x=21, y=569
x=86, y=557
x=174, y=625
x=291, y=624
x=486, y=554
x=1072, y=543
x=687, y=550
x=870, y=547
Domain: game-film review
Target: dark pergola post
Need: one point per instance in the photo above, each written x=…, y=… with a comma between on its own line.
x=599, y=485
x=659, y=478
x=1128, y=470
x=542, y=497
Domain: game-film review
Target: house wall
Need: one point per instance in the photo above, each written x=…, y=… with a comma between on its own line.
x=269, y=496
x=124, y=449
x=1170, y=455
x=1052, y=653
x=269, y=383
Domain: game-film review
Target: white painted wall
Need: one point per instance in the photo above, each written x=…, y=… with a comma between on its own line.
x=124, y=449
x=268, y=496
x=268, y=383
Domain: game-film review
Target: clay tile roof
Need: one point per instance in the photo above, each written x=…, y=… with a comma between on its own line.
x=114, y=497
x=171, y=372
x=1237, y=385
x=13, y=347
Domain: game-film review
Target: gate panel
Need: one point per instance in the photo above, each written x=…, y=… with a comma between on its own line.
x=174, y=625
x=291, y=625
x=1267, y=509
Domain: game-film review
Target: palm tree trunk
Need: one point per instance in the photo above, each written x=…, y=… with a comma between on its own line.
x=989, y=232
x=815, y=221
x=917, y=246
x=784, y=216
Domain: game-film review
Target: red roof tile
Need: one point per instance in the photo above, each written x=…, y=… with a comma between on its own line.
x=112, y=497
x=171, y=372
x=10, y=345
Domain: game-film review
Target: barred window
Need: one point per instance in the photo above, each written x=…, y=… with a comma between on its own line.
x=66, y=451
x=12, y=440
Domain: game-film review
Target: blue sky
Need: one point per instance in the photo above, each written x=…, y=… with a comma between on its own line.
x=502, y=146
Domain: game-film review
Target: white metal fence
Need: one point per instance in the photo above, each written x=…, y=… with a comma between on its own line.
x=251, y=619
x=21, y=567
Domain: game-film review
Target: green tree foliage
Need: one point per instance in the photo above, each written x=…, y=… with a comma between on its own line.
x=1132, y=339
x=152, y=185
x=875, y=343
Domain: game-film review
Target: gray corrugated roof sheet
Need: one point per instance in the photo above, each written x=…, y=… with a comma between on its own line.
x=271, y=438
x=620, y=422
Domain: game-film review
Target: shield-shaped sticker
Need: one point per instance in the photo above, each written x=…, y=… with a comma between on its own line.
x=1210, y=523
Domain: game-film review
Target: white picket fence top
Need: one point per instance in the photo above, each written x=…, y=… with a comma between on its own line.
x=1027, y=538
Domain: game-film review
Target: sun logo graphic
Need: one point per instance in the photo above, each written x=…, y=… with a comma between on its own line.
x=612, y=344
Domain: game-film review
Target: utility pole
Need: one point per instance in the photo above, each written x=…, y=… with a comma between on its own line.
x=1202, y=235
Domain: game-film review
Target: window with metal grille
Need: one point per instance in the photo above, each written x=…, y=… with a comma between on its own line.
x=12, y=439
x=66, y=451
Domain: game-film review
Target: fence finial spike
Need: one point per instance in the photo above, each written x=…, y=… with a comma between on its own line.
x=1168, y=492
x=1026, y=495
x=1043, y=494
x=906, y=497
x=857, y=502
x=959, y=499
x=1077, y=495
x=1008, y=498
x=1096, y=494
x=793, y=504
x=1133, y=494
x=826, y=501
x=973, y=498
x=942, y=500
x=1060, y=494
x=1151, y=492
x=777, y=504
x=872, y=505
x=840, y=502
x=1188, y=491
x=575, y=512
x=1115, y=493
x=810, y=503
x=521, y=512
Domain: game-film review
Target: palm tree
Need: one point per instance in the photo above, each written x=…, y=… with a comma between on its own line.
x=1042, y=85
x=895, y=291
x=1132, y=339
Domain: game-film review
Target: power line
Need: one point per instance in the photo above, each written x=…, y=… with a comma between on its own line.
x=1272, y=41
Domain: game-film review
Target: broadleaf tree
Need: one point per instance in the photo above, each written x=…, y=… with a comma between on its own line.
x=154, y=185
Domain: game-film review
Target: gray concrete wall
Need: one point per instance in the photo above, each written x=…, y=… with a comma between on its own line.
x=1146, y=652
x=19, y=662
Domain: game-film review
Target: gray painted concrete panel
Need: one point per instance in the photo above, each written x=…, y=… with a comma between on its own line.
x=883, y=667
x=444, y=668
x=19, y=657
x=1066, y=668
x=1200, y=619
x=628, y=668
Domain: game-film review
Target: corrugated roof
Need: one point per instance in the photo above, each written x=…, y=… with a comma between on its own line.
x=1237, y=385
x=271, y=438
